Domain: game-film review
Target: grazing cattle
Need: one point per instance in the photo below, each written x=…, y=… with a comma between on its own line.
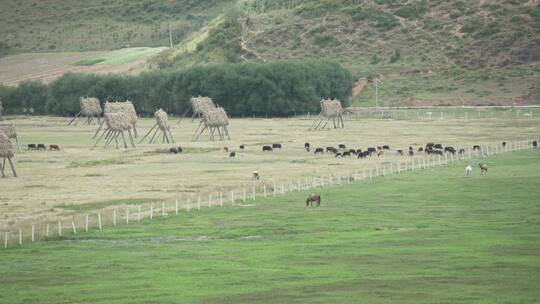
x=468, y=170
x=276, y=146
x=429, y=146
x=358, y=151
x=267, y=148
x=307, y=145
x=346, y=153
x=180, y=150
x=53, y=147
x=342, y=146
x=379, y=148
x=380, y=153
x=41, y=147
x=420, y=149
x=535, y=144
x=242, y=147
x=313, y=198
x=476, y=147
x=483, y=168
x=352, y=151
x=450, y=149
x=232, y=154
x=255, y=175
x=386, y=147
x=400, y=152
x=173, y=151
x=338, y=154
x=411, y=153
x=461, y=151
x=438, y=146
x=411, y=149
x=32, y=147
x=364, y=154
x=319, y=150
x=225, y=149
x=504, y=144
x=371, y=149
x=331, y=149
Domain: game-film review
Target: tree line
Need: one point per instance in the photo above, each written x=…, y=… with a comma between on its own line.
x=273, y=89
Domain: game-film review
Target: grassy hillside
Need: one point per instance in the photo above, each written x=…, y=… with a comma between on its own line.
x=90, y=25
x=425, y=237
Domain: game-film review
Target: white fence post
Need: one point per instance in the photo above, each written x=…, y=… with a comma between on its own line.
x=210, y=200
x=20, y=236
x=59, y=228
x=73, y=225
x=176, y=207
x=199, y=202
x=221, y=198
x=244, y=197
x=274, y=188
x=114, y=217
x=5, y=239
x=139, y=213
x=47, y=230
x=127, y=215
x=253, y=192
x=264, y=191
x=33, y=232
x=86, y=223
x=99, y=221
x=151, y=210
x=232, y=197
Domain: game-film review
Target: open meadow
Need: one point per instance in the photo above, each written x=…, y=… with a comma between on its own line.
x=78, y=180
x=430, y=236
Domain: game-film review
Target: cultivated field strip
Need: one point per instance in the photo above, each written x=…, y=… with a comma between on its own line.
x=239, y=198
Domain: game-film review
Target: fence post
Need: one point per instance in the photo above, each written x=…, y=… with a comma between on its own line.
x=99, y=221
x=20, y=236
x=232, y=197
x=221, y=198
x=298, y=185
x=282, y=188
x=264, y=191
x=5, y=239
x=139, y=213
x=33, y=232
x=330, y=179
x=253, y=192
x=377, y=171
x=114, y=217
x=391, y=168
x=244, y=197
x=274, y=189
x=151, y=210
x=198, y=202
x=384, y=170
x=210, y=200
x=59, y=228
x=176, y=207
x=322, y=180
x=127, y=215
x=86, y=223
x=370, y=176
x=47, y=230
x=187, y=207
x=73, y=225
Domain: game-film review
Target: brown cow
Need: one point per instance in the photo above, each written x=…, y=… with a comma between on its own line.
x=54, y=147
x=483, y=168
x=313, y=198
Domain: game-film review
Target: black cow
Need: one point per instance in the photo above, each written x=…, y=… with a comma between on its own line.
x=504, y=144
x=461, y=151
x=346, y=153
x=535, y=144
x=338, y=154
x=379, y=148
x=450, y=149
x=438, y=146
x=331, y=149
x=400, y=152
x=476, y=147
x=180, y=150
x=411, y=153
x=173, y=151
x=307, y=146
x=411, y=149
x=319, y=150
x=342, y=146
x=32, y=147
x=41, y=147
x=352, y=151
x=386, y=147
x=371, y=149
x=232, y=154
x=363, y=154
x=438, y=152
x=358, y=151
x=420, y=149
x=429, y=146
x=276, y=146
x=242, y=147
x=267, y=148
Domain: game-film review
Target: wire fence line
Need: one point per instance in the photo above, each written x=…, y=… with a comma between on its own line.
x=131, y=214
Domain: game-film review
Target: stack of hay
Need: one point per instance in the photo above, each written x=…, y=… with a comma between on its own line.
x=331, y=109
x=90, y=109
x=214, y=120
x=200, y=105
x=162, y=123
x=9, y=130
x=6, y=152
x=119, y=117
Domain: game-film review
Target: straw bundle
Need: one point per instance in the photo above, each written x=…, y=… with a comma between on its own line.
x=126, y=107
x=215, y=118
x=9, y=130
x=117, y=121
x=6, y=149
x=162, y=119
x=90, y=106
x=331, y=108
x=201, y=104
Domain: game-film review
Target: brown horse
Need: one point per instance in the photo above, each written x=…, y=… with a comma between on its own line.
x=483, y=168
x=313, y=198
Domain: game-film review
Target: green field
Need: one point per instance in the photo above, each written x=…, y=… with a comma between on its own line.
x=422, y=237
